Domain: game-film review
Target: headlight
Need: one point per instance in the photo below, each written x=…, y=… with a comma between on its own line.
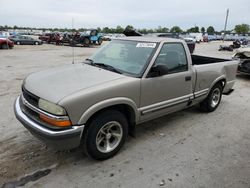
x=51, y=107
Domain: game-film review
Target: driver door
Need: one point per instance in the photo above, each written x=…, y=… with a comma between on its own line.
x=170, y=92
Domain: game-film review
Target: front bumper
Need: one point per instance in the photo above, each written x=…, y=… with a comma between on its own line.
x=244, y=67
x=59, y=139
x=243, y=70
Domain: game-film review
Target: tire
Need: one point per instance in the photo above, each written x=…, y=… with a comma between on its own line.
x=213, y=99
x=4, y=46
x=18, y=43
x=99, y=41
x=107, y=127
x=86, y=42
x=36, y=43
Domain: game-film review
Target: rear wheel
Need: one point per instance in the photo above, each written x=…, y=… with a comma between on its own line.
x=36, y=43
x=105, y=135
x=86, y=42
x=213, y=99
x=18, y=43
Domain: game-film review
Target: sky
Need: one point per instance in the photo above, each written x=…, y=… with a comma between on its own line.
x=140, y=14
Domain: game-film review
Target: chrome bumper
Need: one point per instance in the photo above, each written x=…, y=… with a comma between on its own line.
x=60, y=139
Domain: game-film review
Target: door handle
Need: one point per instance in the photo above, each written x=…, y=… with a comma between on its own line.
x=187, y=78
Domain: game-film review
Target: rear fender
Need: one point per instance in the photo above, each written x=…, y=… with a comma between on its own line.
x=221, y=78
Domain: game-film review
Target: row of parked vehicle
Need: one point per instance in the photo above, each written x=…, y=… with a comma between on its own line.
x=86, y=38
x=7, y=42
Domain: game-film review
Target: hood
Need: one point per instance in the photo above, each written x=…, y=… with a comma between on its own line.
x=57, y=83
x=244, y=51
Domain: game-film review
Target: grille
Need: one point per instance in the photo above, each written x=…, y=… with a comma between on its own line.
x=31, y=98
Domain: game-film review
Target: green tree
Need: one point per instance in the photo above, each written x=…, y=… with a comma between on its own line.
x=203, y=30
x=165, y=30
x=143, y=31
x=106, y=30
x=210, y=30
x=98, y=29
x=161, y=30
x=242, y=28
x=194, y=30
x=119, y=29
x=150, y=31
x=129, y=27
x=175, y=29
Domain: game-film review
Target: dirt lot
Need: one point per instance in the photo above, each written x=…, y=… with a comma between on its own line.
x=185, y=149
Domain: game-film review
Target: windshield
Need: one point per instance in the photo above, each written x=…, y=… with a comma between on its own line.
x=128, y=57
x=86, y=32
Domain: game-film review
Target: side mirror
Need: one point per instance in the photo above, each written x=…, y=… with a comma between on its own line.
x=158, y=70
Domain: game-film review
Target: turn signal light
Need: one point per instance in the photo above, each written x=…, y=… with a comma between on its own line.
x=58, y=123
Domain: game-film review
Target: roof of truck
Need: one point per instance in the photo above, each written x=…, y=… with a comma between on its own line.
x=150, y=39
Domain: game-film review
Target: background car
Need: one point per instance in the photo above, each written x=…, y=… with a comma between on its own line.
x=244, y=55
x=6, y=43
x=20, y=39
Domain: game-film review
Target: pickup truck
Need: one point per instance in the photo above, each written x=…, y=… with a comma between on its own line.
x=95, y=104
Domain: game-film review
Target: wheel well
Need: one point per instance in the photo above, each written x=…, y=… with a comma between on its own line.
x=222, y=82
x=124, y=109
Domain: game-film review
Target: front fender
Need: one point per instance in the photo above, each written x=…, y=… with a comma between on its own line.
x=108, y=103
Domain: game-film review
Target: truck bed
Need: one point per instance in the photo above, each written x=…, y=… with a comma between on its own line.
x=201, y=60
x=209, y=70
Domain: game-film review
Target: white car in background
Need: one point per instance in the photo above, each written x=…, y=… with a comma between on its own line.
x=198, y=36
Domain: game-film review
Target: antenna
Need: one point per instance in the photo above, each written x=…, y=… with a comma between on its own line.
x=73, y=44
x=225, y=27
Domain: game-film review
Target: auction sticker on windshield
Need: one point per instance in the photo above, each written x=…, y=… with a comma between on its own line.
x=145, y=45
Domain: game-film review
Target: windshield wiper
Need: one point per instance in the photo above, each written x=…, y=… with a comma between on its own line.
x=90, y=60
x=103, y=65
x=108, y=67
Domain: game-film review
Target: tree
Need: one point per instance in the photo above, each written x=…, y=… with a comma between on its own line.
x=194, y=30
x=99, y=29
x=203, y=30
x=119, y=29
x=143, y=31
x=242, y=28
x=161, y=30
x=106, y=30
x=129, y=27
x=175, y=29
x=210, y=30
x=150, y=31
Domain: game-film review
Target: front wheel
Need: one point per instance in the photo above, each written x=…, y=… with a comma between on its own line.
x=99, y=41
x=213, y=99
x=105, y=135
x=5, y=46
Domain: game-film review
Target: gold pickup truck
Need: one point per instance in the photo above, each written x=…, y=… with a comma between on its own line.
x=97, y=103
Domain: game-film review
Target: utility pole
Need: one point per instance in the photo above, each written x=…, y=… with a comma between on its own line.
x=73, y=43
x=225, y=27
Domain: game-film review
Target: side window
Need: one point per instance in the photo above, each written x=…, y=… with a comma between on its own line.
x=173, y=56
x=93, y=33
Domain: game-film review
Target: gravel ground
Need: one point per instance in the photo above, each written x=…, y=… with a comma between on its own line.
x=184, y=149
